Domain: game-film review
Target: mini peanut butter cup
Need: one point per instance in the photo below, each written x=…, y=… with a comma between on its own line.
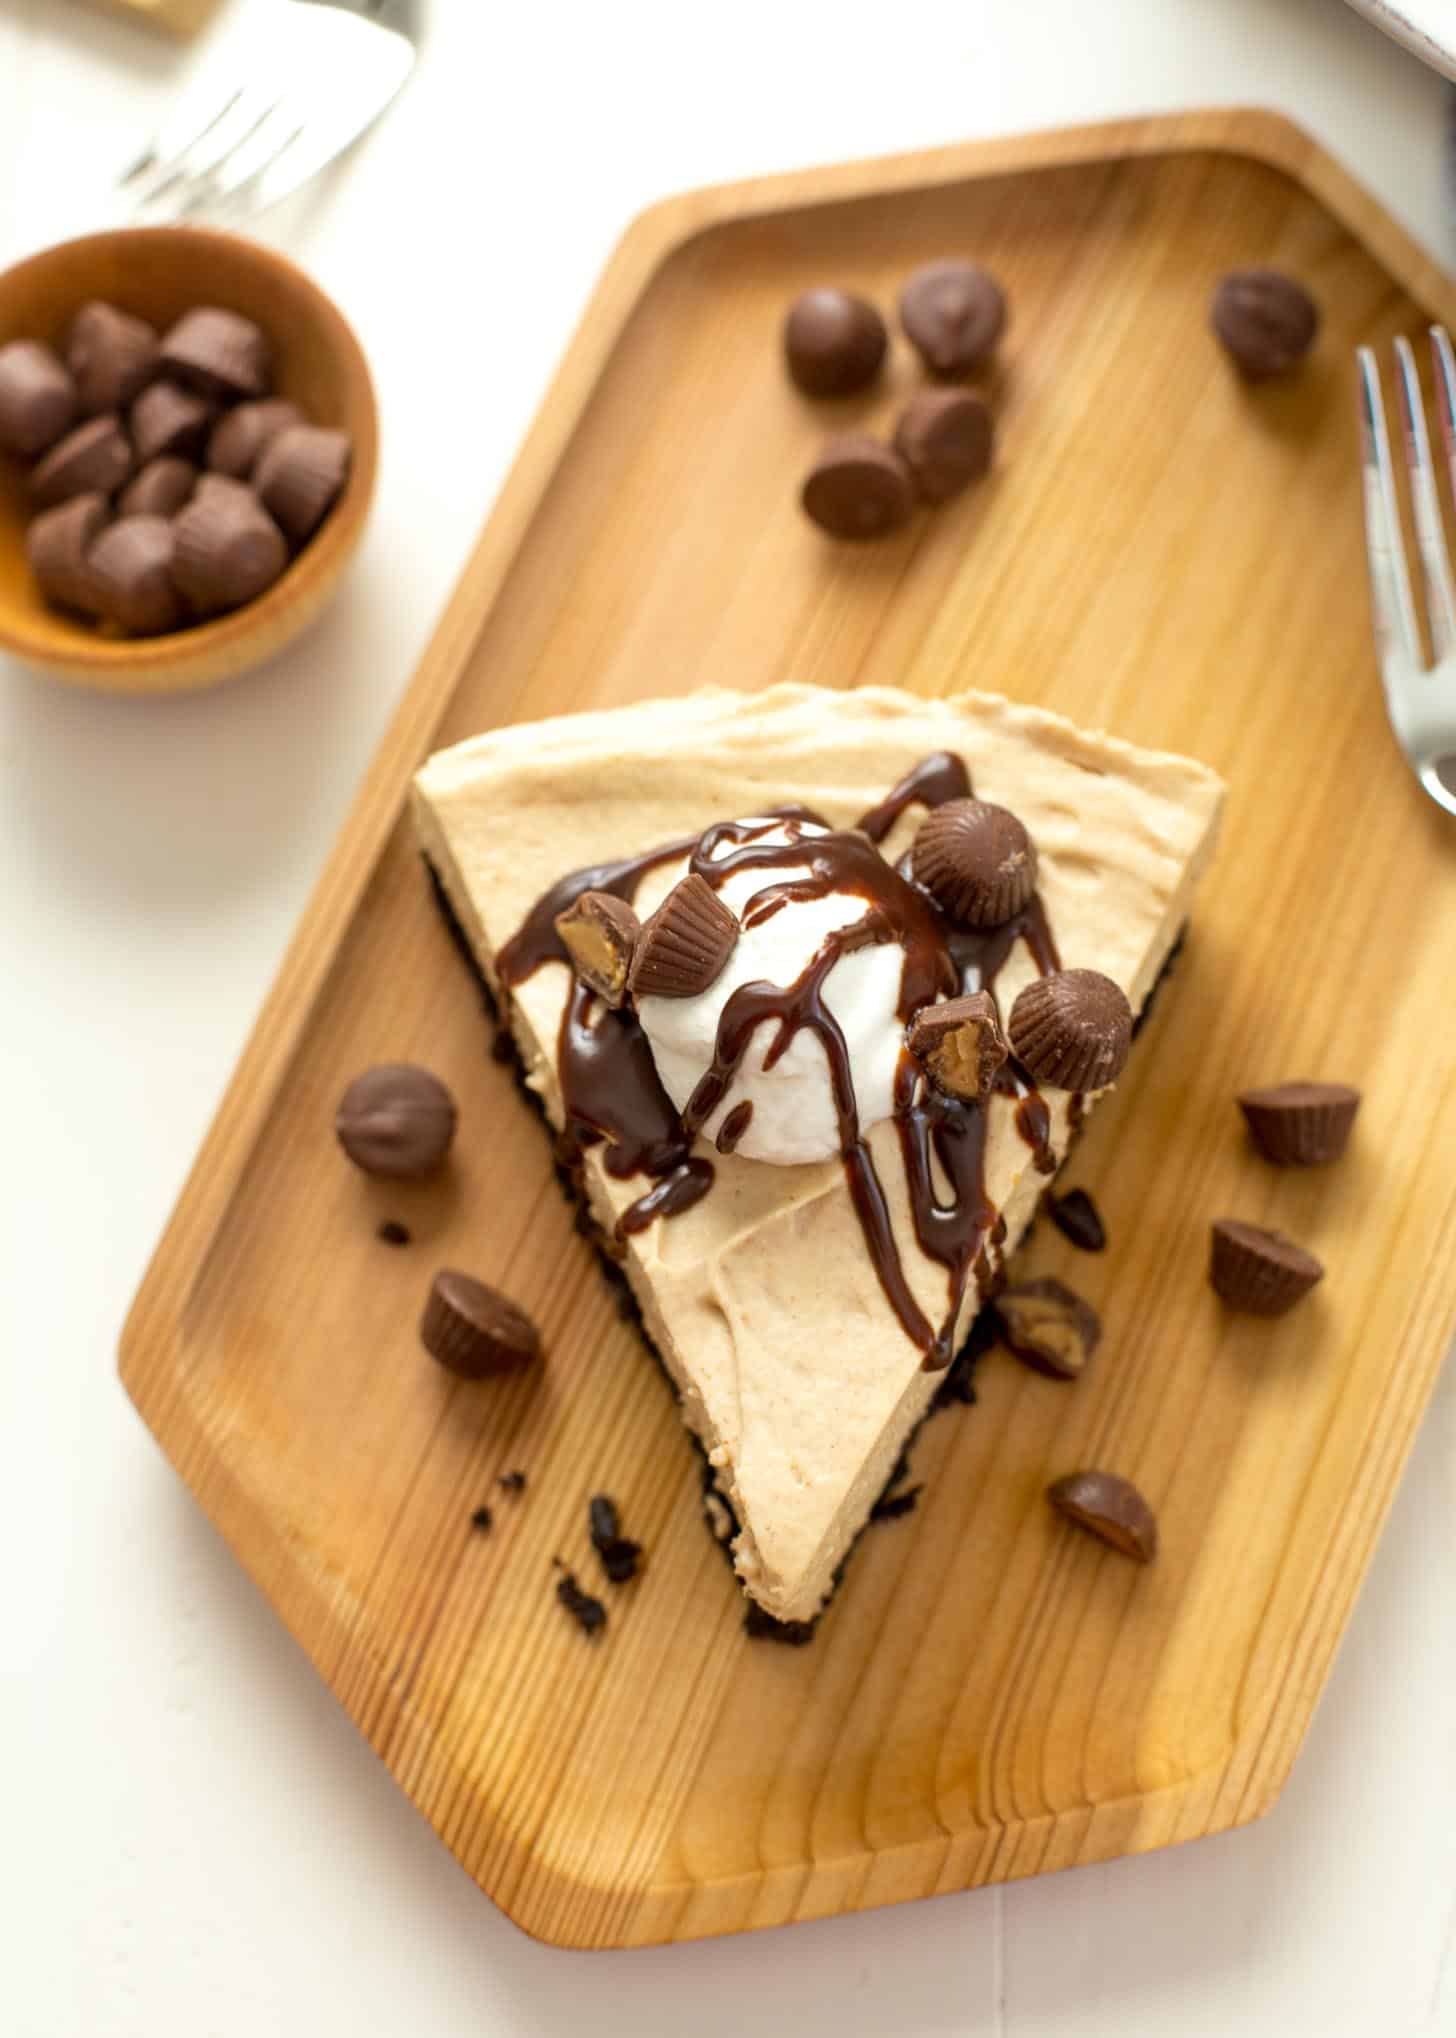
x=168, y=422
x=95, y=458
x=858, y=488
x=396, y=1120
x=1301, y=1125
x=241, y=438
x=300, y=477
x=475, y=1331
x=959, y=1044
x=954, y=313
x=131, y=564
x=161, y=489
x=111, y=355
x=1072, y=1030
x=944, y=437
x=685, y=945
x=37, y=398
x=976, y=860
x=229, y=550
x=1110, y=1508
x=219, y=352
x=58, y=546
x=1260, y=1272
x=1048, y=1327
x=600, y=933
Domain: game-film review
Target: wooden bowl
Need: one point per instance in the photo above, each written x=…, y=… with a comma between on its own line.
x=158, y=273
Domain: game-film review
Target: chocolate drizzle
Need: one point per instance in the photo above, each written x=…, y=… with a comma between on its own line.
x=611, y=1090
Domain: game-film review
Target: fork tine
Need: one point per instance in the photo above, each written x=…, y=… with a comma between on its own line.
x=161, y=149
x=1430, y=537
x=1390, y=588
x=175, y=183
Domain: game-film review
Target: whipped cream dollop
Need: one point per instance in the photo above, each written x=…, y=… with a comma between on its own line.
x=793, y=1117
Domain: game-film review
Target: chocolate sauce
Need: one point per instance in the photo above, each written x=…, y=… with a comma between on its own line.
x=611, y=1090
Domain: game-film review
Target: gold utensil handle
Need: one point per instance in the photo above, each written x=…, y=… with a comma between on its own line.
x=178, y=17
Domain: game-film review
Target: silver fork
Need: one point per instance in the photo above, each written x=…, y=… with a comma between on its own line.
x=314, y=76
x=1419, y=699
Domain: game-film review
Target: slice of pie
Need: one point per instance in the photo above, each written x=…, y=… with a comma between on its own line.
x=810, y=1219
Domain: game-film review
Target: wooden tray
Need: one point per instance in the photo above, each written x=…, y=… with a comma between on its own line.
x=1161, y=552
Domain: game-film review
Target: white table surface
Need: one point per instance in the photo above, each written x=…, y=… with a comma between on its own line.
x=195, y=1840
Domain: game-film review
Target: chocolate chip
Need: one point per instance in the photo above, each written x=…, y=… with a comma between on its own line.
x=95, y=457
x=588, y=1613
x=1303, y=1125
x=161, y=489
x=1110, y=1508
x=1266, y=320
x=976, y=860
x=953, y=313
x=600, y=934
x=959, y=1044
x=685, y=945
x=131, y=564
x=944, y=437
x=1260, y=1272
x=37, y=398
x=475, y=1331
x=111, y=355
x=1048, y=1326
x=396, y=1120
x=858, y=488
x=219, y=352
x=619, y=1554
x=760, y=1626
x=1077, y=1218
x=168, y=422
x=891, y=1506
x=58, y=546
x=834, y=343
x=512, y=1482
x=392, y=1232
x=1072, y=1030
x=301, y=476
x=482, y=1519
x=229, y=550
x=241, y=438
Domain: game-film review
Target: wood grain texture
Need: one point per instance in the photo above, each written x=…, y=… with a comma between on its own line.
x=1159, y=552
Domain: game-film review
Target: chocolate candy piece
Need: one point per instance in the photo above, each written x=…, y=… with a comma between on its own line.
x=160, y=490
x=58, y=544
x=1077, y=1218
x=475, y=1331
x=1110, y=1508
x=301, y=476
x=953, y=314
x=95, y=457
x=228, y=548
x=37, y=398
x=833, y=343
x=111, y=355
x=219, y=352
x=858, y=488
x=1049, y=1327
x=944, y=438
x=1259, y=1272
x=169, y=422
x=600, y=934
x=240, y=439
x=396, y=1120
x=1267, y=321
x=1072, y=1030
x=959, y=1044
x=131, y=564
x=685, y=944
x=976, y=860
x=1302, y=1125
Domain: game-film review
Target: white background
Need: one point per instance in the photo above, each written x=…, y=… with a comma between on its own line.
x=193, y=1840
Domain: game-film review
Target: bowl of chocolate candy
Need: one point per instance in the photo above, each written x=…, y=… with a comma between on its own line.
x=188, y=447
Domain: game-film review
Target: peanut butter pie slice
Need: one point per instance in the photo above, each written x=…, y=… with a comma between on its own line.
x=816, y=988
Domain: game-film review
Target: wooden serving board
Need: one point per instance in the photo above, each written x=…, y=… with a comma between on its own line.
x=1162, y=552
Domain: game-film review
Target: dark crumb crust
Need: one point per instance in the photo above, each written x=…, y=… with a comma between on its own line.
x=957, y=1389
